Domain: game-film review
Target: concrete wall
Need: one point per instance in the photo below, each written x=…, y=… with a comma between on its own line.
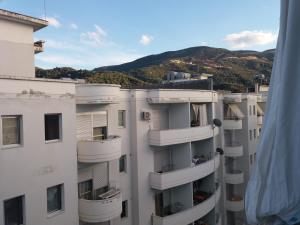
x=17, y=53
x=32, y=167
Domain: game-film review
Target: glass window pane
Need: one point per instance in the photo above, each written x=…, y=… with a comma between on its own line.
x=13, y=211
x=99, y=133
x=52, y=127
x=121, y=118
x=122, y=163
x=85, y=189
x=10, y=130
x=54, y=198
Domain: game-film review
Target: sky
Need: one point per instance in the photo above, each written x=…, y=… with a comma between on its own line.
x=85, y=34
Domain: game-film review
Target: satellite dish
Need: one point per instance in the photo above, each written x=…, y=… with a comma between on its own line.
x=220, y=151
x=217, y=122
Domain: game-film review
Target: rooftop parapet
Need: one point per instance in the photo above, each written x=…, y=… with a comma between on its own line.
x=36, y=23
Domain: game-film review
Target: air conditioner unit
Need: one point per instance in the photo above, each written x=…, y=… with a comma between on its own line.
x=146, y=115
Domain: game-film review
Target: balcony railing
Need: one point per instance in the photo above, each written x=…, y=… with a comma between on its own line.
x=101, y=208
x=188, y=216
x=234, y=177
x=233, y=149
x=235, y=204
x=166, y=180
x=232, y=123
x=182, y=135
x=95, y=151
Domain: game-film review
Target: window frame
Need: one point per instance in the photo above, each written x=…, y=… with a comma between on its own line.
x=125, y=209
x=62, y=201
x=125, y=163
x=20, y=133
x=123, y=111
x=60, y=129
x=23, y=208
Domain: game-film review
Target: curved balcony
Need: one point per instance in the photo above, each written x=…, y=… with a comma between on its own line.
x=232, y=124
x=180, y=96
x=190, y=215
x=259, y=120
x=234, y=177
x=235, y=204
x=179, y=136
x=97, y=211
x=97, y=93
x=99, y=151
x=162, y=181
x=234, y=150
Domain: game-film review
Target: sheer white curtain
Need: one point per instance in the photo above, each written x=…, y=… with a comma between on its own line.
x=200, y=114
x=273, y=192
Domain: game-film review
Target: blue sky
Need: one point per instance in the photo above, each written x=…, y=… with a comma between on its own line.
x=91, y=33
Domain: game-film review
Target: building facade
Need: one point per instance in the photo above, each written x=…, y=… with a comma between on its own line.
x=81, y=154
x=38, y=176
x=153, y=153
x=242, y=123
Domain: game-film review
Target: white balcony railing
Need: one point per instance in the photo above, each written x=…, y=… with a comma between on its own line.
x=235, y=204
x=180, y=96
x=162, y=181
x=91, y=151
x=102, y=210
x=190, y=215
x=232, y=124
x=97, y=93
x=233, y=150
x=178, y=136
x=234, y=177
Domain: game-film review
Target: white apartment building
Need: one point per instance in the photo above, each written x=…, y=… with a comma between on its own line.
x=38, y=169
x=82, y=154
x=243, y=117
x=147, y=157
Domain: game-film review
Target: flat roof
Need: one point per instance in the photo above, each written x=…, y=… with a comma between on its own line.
x=8, y=77
x=36, y=23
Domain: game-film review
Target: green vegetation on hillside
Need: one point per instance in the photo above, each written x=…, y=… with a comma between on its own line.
x=232, y=70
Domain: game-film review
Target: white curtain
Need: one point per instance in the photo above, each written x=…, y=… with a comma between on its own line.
x=200, y=114
x=273, y=192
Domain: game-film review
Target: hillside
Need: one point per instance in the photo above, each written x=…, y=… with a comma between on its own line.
x=230, y=68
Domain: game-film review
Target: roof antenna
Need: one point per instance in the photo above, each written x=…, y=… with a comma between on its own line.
x=45, y=12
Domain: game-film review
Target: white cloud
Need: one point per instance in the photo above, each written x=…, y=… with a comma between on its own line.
x=53, y=22
x=95, y=38
x=50, y=43
x=246, y=39
x=73, y=26
x=146, y=39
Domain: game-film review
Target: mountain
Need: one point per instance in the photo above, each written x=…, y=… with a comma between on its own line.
x=230, y=68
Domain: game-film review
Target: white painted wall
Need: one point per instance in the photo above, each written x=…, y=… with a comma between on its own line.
x=35, y=165
x=17, y=53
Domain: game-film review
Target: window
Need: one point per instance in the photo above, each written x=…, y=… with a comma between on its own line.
x=251, y=159
x=254, y=110
x=254, y=133
x=52, y=127
x=54, y=198
x=13, y=211
x=99, y=133
x=254, y=157
x=121, y=118
x=123, y=164
x=250, y=134
x=85, y=190
x=124, y=209
x=250, y=112
x=11, y=130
